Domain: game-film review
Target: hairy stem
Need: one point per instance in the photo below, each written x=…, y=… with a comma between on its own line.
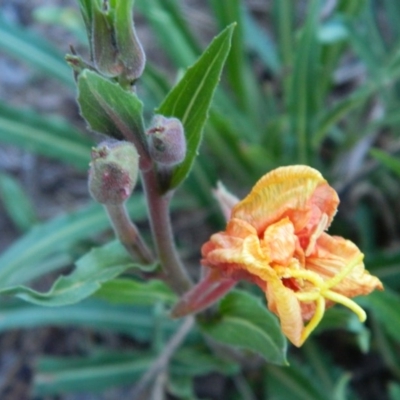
x=128, y=234
x=160, y=222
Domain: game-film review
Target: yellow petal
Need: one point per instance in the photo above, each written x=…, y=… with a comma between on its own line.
x=297, y=192
x=283, y=302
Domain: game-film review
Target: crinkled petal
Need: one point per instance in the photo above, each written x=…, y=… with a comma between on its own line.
x=297, y=192
x=331, y=255
x=279, y=242
x=283, y=302
x=275, y=238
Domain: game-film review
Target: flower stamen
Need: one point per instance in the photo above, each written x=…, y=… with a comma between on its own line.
x=315, y=320
x=345, y=301
x=344, y=272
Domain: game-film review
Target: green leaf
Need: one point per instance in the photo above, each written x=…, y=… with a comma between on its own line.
x=284, y=21
x=61, y=375
x=386, y=266
x=259, y=41
x=181, y=387
x=91, y=374
x=24, y=260
x=328, y=118
x=206, y=362
x=49, y=136
x=191, y=98
x=342, y=318
x=394, y=391
x=111, y=110
x=342, y=387
x=365, y=44
x=169, y=26
x=238, y=69
x=389, y=161
x=16, y=202
x=155, y=87
x=291, y=383
x=244, y=322
x=385, y=306
x=30, y=48
x=125, y=291
x=93, y=269
x=96, y=315
x=303, y=95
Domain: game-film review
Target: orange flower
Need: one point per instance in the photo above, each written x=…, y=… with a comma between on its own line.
x=275, y=238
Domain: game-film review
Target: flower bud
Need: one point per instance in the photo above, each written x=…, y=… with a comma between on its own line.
x=113, y=172
x=167, y=144
x=114, y=46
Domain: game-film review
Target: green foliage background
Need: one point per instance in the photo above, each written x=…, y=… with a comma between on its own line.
x=302, y=85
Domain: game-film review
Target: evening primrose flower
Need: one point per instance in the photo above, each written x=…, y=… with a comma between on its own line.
x=275, y=237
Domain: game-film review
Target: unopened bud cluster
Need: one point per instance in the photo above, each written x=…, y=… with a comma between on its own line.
x=113, y=172
x=167, y=144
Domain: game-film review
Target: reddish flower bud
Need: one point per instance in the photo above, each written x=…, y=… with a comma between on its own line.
x=113, y=171
x=167, y=142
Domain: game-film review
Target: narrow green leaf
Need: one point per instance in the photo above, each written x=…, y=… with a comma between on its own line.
x=190, y=99
x=181, y=387
x=386, y=266
x=328, y=118
x=58, y=375
x=22, y=261
x=393, y=15
x=389, y=161
x=244, y=322
x=394, y=391
x=125, y=291
x=32, y=49
x=364, y=44
x=332, y=53
x=16, y=202
x=283, y=19
x=93, y=269
x=240, y=75
x=97, y=315
x=111, y=110
x=302, y=98
x=45, y=135
x=259, y=41
x=224, y=141
x=155, y=85
x=94, y=374
x=385, y=306
x=206, y=362
x=342, y=387
x=169, y=26
x=340, y=318
x=291, y=383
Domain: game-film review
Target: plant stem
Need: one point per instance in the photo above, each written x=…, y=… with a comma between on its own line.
x=160, y=222
x=162, y=360
x=128, y=234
